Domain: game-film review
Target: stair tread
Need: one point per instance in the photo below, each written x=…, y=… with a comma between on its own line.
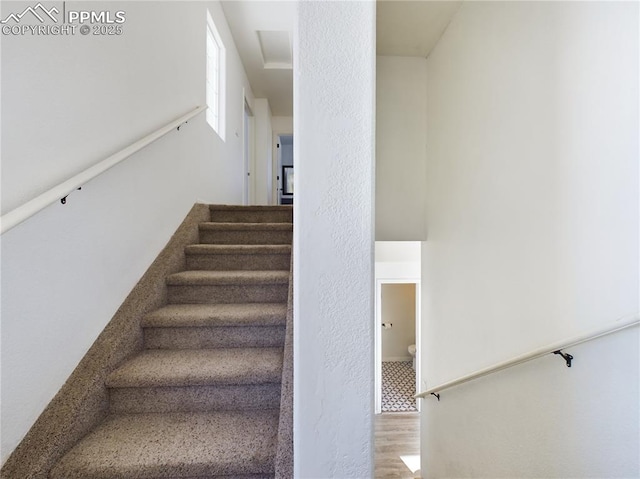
x=246, y=226
x=237, y=249
x=206, y=315
x=207, y=277
x=173, y=445
x=250, y=214
x=250, y=208
x=199, y=367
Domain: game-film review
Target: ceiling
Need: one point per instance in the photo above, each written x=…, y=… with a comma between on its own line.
x=246, y=19
x=260, y=28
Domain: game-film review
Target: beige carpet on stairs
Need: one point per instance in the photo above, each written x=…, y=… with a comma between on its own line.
x=202, y=400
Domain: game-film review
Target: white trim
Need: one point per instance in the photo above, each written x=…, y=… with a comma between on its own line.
x=378, y=336
x=216, y=67
x=610, y=328
x=30, y=208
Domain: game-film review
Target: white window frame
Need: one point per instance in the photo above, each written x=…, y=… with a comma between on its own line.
x=216, y=69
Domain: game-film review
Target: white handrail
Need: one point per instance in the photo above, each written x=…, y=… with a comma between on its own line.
x=622, y=323
x=30, y=208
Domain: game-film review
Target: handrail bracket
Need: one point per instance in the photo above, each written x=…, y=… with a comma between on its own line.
x=436, y=395
x=63, y=200
x=567, y=357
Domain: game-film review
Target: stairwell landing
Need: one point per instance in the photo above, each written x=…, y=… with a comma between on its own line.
x=203, y=397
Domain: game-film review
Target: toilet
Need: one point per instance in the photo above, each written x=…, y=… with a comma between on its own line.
x=412, y=352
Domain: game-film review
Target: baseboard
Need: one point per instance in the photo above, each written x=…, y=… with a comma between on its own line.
x=83, y=401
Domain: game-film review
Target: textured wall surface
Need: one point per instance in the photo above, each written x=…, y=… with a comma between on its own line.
x=532, y=212
x=333, y=239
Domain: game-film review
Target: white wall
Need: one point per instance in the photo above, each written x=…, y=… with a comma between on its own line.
x=398, y=259
x=398, y=251
x=68, y=102
x=532, y=211
x=400, y=148
x=282, y=124
x=541, y=419
x=399, y=309
x=263, y=152
x=334, y=53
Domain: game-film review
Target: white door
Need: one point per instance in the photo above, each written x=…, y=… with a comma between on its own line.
x=246, y=184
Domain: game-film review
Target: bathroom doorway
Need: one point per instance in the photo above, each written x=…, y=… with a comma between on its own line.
x=397, y=336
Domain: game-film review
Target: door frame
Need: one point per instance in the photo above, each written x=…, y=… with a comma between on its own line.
x=378, y=337
x=276, y=184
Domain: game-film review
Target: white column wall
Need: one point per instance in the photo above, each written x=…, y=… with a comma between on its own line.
x=334, y=112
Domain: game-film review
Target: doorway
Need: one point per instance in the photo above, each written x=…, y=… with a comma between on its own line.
x=397, y=334
x=284, y=169
x=397, y=370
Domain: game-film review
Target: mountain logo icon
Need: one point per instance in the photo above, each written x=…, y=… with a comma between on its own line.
x=38, y=11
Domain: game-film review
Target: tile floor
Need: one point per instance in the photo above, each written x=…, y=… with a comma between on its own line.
x=398, y=386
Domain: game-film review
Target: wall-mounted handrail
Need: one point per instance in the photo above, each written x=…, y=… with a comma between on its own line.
x=62, y=190
x=617, y=325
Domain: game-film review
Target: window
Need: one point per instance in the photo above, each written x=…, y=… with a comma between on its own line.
x=216, y=73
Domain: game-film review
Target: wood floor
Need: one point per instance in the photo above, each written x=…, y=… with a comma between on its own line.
x=396, y=435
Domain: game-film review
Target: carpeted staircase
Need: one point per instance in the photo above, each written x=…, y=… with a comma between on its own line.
x=202, y=400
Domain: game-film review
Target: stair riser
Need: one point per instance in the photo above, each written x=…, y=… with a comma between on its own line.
x=221, y=262
x=245, y=237
x=214, y=337
x=285, y=216
x=232, y=444
x=258, y=293
x=194, y=398
x=243, y=476
x=211, y=316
